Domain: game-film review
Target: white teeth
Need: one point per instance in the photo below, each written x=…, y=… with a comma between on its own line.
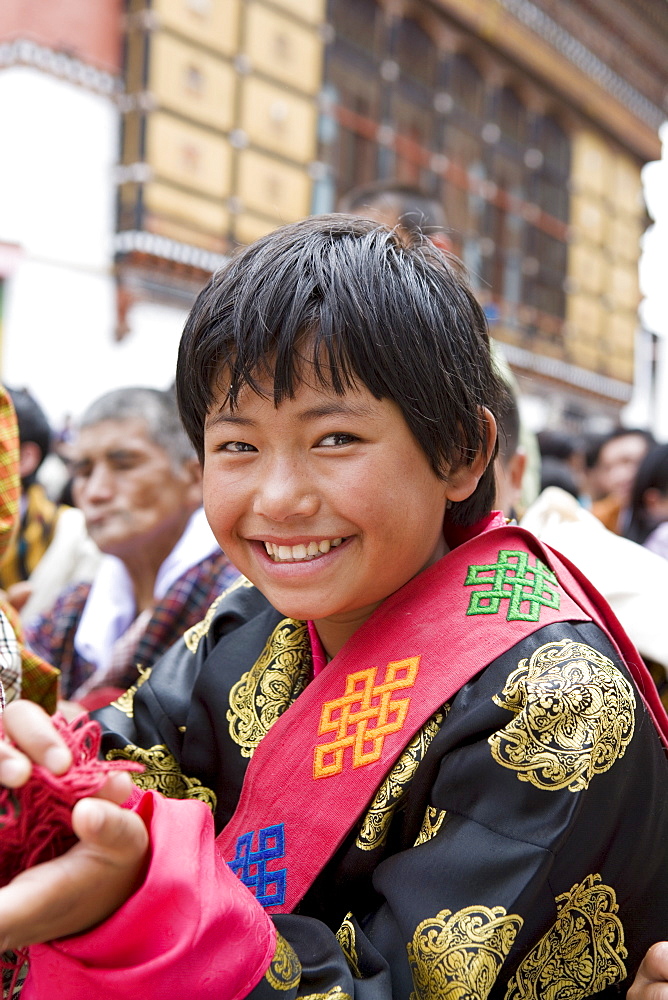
x=297, y=553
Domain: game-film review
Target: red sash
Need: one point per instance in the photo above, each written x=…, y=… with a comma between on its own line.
x=320, y=764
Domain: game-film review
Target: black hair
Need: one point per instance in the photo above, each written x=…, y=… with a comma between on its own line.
x=652, y=474
x=558, y=444
x=355, y=304
x=556, y=472
x=33, y=426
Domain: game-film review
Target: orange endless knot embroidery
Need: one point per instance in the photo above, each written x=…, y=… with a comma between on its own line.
x=350, y=716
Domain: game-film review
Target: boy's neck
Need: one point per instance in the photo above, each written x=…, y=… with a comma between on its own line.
x=334, y=633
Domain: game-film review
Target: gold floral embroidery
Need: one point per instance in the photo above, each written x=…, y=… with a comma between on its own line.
x=581, y=954
x=346, y=938
x=376, y=823
x=574, y=717
x=195, y=633
x=125, y=702
x=285, y=969
x=163, y=774
x=459, y=955
x=431, y=824
x=336, y=993
x=271, y=685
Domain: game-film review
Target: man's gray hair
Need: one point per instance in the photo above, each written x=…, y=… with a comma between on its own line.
x=154, y=406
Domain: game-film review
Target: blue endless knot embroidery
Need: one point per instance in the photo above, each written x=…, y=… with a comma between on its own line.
x=251, y=866
x=527, y=588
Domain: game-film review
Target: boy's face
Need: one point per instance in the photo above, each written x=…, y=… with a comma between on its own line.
x=326, y=503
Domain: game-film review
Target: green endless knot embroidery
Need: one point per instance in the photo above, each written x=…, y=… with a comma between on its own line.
x=513, y=579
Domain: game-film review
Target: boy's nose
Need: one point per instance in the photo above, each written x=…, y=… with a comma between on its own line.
x=285, y=492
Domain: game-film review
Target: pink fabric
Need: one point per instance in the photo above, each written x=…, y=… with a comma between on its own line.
x=192, y=929
x=317, y=650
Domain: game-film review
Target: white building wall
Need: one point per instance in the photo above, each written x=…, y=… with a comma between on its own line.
x=59, y=146
x=649, y=406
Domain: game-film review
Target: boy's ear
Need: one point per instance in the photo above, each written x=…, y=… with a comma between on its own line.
x=192, y=474
x=463, y=481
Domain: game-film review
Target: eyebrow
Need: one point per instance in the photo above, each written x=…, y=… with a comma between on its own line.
x=332, y=409
x=113, y=456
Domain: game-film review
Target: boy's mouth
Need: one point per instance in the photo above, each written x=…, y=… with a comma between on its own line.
x=302, y=552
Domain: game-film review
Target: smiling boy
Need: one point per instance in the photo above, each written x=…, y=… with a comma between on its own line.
x=430, y=769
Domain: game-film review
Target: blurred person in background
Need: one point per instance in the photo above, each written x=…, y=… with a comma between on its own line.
x=648, y=514
x=51, y=548
x=511, y=459
x=400, y=206
x=10, y=659
x=138, y=482
x=556, y=472
x=612, y=462
x=633, y=580
x=22, y=674
x=562, y=462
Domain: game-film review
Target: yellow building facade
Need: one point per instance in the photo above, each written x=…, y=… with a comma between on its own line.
x=225, y=117
x=243, y=115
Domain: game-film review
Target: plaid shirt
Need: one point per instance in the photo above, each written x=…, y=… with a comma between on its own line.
x=185, y=604
x=10, y=662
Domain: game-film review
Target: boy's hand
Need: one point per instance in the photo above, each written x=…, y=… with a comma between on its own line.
x=87, y=884
x=651, y=982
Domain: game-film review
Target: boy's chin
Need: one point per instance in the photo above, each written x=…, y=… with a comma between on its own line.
x=298, y=611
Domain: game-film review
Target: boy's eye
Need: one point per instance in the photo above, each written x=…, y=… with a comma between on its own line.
x=336, y=440
x=237, y=446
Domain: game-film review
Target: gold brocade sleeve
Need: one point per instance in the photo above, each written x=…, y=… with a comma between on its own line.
x=163, y=774
x=285, y=969
x=574, y=717
x=275, y=680
x=460, y=954
x=581, y=954
x=376, y=823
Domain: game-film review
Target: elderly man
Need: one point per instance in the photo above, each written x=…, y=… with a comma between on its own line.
x=138, y=483
x=51, y=548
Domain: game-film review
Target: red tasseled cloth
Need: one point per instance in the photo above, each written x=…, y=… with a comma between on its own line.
x=35, y=820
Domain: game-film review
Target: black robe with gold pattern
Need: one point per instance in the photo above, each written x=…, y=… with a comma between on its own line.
x=516, y=850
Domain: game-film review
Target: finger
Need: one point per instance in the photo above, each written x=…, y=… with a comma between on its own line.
x=82, y=887
x=645, y=989
x=118, y=788
x=15, y=767
x=654, y=966
x=32, y=730
x=118, y=835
